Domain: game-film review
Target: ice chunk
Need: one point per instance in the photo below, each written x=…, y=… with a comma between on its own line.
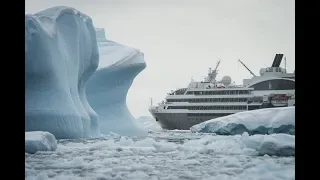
x=164, y=146
x=274, y=144
x=149, y=123
x=60, y=56
x=262, y=121
x=108, y=87
x=39, y=141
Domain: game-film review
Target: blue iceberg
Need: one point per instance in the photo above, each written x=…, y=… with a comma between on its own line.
x=108, y=87
x=61, y=54
x=62, y=50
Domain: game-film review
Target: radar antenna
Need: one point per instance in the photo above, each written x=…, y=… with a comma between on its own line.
x=247, y=68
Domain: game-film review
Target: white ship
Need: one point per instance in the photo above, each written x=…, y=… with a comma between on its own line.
x=209, y=99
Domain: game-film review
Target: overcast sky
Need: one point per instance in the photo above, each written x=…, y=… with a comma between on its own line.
x=183, y=38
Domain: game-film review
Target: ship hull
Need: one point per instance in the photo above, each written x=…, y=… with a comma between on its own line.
x=181, y=121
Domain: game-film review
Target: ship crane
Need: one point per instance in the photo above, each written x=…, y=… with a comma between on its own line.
x=218, y=63
x=247, y=68
x=212, y=74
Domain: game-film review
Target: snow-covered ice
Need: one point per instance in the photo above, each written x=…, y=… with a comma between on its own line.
x=61, y=54
x=165, y=155
x=148, y=123
x=108, y=87
x=274, y=144
x=39, y=141
x=262, y=121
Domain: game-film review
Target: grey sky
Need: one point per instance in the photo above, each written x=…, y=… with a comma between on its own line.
x=183, y=38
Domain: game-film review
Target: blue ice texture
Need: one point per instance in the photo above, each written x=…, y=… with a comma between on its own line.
x=107, y=89
x=61, y=59
x=261, y=121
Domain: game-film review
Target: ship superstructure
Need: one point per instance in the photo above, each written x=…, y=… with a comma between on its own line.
x=211, y=98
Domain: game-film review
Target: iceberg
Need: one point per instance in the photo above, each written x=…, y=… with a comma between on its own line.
x=61, y=54
x=108, y=87
x=39, y=141
x=262, y=121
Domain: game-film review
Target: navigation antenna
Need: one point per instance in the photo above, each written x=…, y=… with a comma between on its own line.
x=285, y=62
x=247, y=68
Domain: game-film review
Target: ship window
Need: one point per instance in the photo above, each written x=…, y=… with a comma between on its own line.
x=253, y=107
x=275, y=84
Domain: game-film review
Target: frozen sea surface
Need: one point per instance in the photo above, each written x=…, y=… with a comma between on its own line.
x=160, y=155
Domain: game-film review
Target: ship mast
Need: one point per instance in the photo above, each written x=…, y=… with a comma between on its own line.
x=213, y=73
x=247, y=68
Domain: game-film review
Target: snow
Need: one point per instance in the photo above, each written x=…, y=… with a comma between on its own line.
x=108, y=87
x=39, y=141
x=262, y=121
x=61, y=54
x=148, y=123
x=167, y=155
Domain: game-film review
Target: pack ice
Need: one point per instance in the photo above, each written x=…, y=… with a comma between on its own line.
x=108, y=87
x=262, y=121
x=61, y=54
